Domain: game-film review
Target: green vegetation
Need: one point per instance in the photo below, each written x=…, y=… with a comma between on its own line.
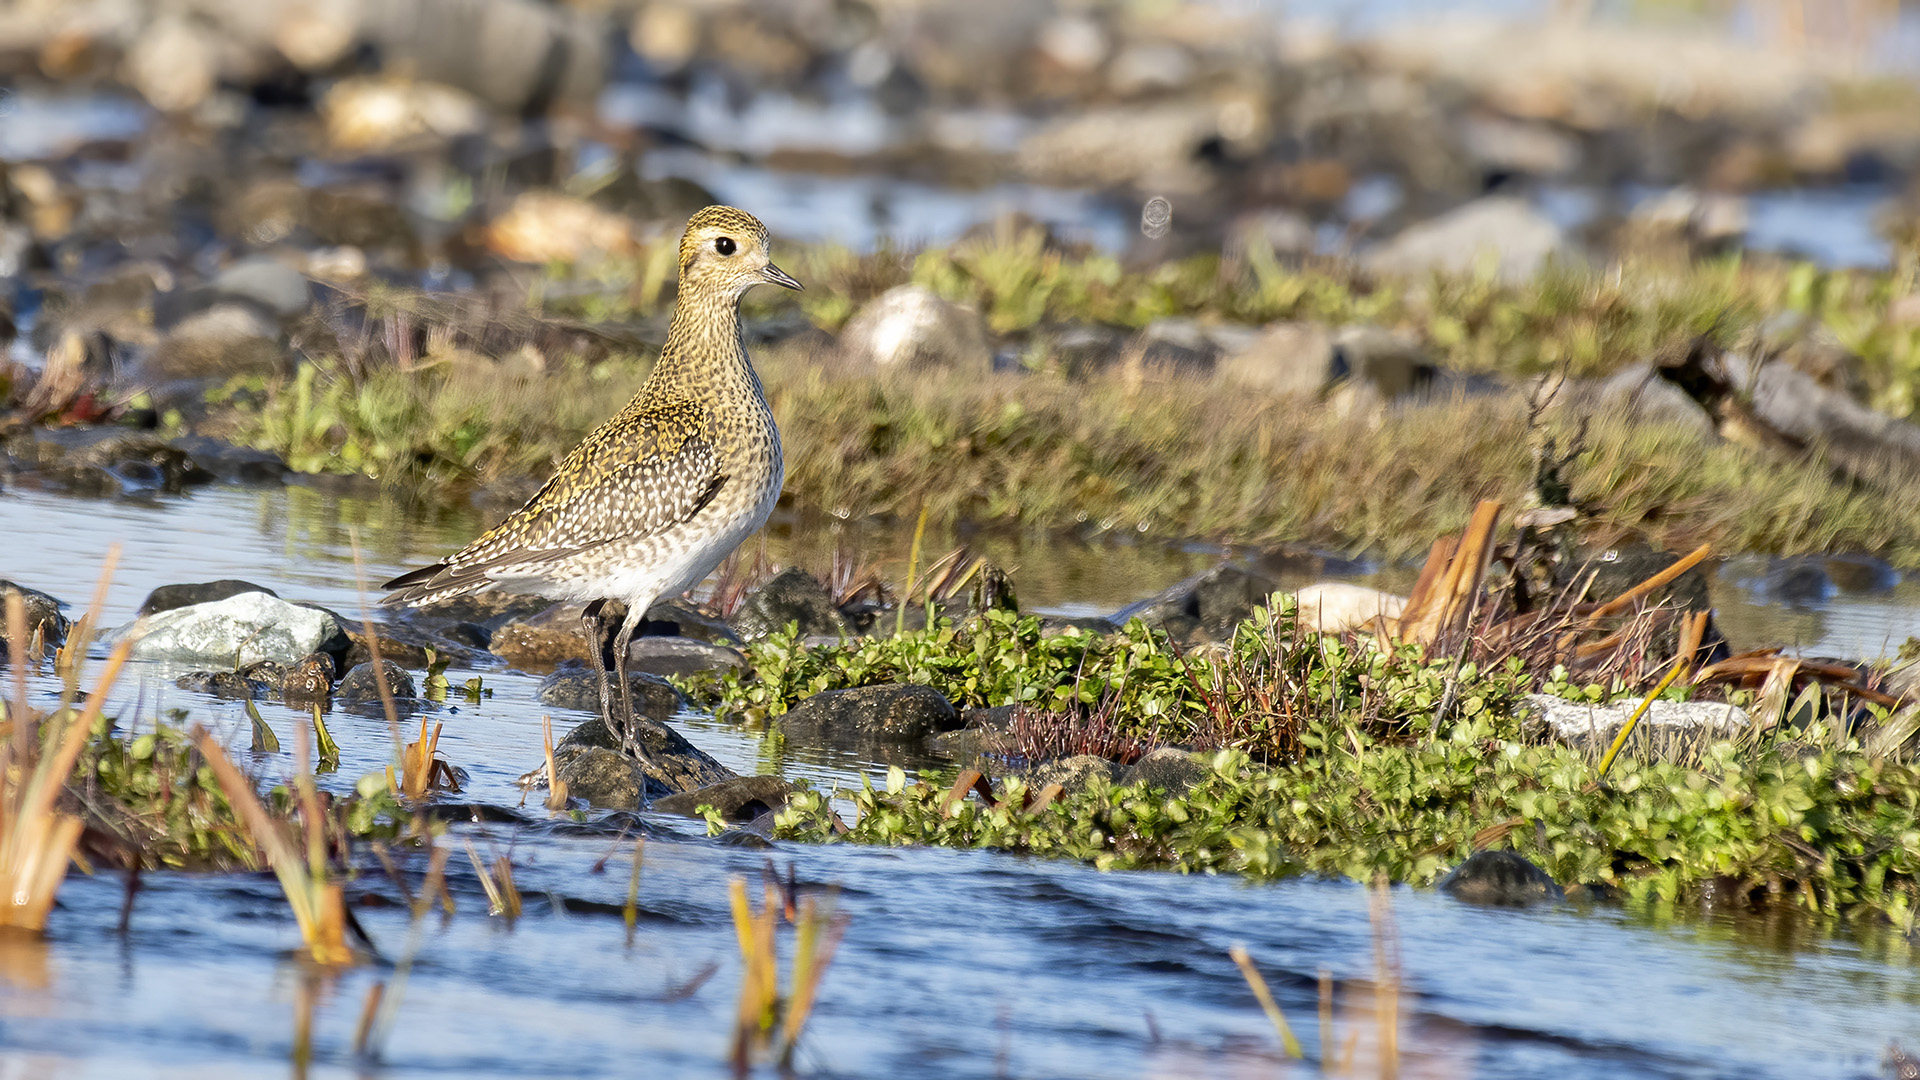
x=1053, y=448
x=1335, y=757
x=1833, y=830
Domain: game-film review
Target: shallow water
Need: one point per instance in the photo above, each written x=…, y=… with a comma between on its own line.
x=955, y=963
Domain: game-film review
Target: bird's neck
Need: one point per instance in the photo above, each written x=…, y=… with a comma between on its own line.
x=706, y=354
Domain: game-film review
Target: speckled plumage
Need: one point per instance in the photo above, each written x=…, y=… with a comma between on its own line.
x=651, y=501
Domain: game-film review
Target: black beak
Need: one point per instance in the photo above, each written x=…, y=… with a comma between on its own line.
x=775, y=275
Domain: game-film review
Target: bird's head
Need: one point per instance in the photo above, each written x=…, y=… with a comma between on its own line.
x=725, y=251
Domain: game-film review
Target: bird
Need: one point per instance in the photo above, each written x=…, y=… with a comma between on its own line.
x=653, y=499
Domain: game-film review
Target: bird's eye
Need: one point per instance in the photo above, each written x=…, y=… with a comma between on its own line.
x=725, y=245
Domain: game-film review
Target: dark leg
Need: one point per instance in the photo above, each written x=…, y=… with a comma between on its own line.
x=596, y=630
x=631, y=732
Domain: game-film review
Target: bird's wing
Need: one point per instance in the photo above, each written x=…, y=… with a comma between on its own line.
x=645, y=470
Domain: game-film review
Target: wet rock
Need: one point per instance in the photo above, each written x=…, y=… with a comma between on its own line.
x=741, y=799
x=1335, y=607
x=224, y=684
x=1500, y=879
x=490, y=609
x=572, y=688
x=678, y=765
x=677, y=618
x=412, y=646
x=1205, y=607
x=675, y=657
x=910, y=328
x=1073, y=773
x=361, y=686
x=1079, y=350
x=544, y=640
x=983, y=733
x=1499, y=233
x=1170, y=768
x=309, y=680
x=1585, y=724
x=602, y=777
x=792, y=596
x=235, y=631
x=106, y=461
x=271, y=672
x=1091, y=624
x=42, y=611
x=169, y=597
x=233, y=464
x=871, y=714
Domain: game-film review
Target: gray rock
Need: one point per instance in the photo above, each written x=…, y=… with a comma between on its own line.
x=572, y=688
x=677, y=657
x=792, y=596
x=741, y=799
x=234, y=632
x=1170, y=768
x=1797, y=406
x=1501, y=879
x=1499, y=232
x=909, y=328
x=677, y=618
x=359, y=686
x=1590, y=724
x=1073, y=773
x=1079, y=350
x=169, y=597
x=43, y=615
x=267, y=283
x=871, y=713
x=1637, y=390
x=1153, y=147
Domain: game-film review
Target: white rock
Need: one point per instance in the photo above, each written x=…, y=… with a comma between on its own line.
x=910, y=327
x=1576, y=720
x=1335, y=607
x=240, y=630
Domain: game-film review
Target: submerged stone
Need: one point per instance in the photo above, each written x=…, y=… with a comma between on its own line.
x=309, y=680
x=360, y=686
x=43, y=615
x=224, y=684
x=1073, y=773
x=572, y=688
x=1501, y=879
x=742, y=798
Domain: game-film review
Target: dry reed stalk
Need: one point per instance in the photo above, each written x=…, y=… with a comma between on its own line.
x=319, y=905
x=1258, y=984
x=817, y=934
x=37, y=841
x=630, y=913
x=503, y=897
x=556, y=787
x=1451, y=581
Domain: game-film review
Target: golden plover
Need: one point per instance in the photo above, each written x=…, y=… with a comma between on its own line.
x=655, y=497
